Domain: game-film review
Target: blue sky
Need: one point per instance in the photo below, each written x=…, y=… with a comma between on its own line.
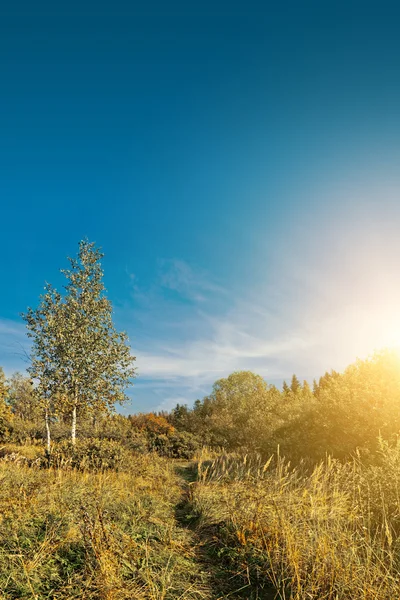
x=237, y=162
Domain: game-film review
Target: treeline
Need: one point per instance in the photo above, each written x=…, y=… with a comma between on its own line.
x=342, y=413
x=22, y=421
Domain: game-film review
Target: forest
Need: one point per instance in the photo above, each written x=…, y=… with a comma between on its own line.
x=252, y=492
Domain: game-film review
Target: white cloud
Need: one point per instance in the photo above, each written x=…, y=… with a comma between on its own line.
x=335, y=299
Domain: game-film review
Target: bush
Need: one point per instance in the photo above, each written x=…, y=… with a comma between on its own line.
x=138, y=442
x=176, y=445
x=91, y=454
x=4, y=429
x=25, y=432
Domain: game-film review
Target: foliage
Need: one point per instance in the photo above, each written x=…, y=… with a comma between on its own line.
x=179, y=444
x=234, y=415
x=5, y=414
x=82, y=363
x=21, y=398
x=3, y=388
x=344, y=412
x=110, y=519
x=151, y=423
x=22, y=431
x=92, y=454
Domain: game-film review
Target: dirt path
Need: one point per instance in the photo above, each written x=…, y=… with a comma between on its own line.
x=217, y=582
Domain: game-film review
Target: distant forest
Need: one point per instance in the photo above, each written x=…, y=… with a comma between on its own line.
x=342, y=413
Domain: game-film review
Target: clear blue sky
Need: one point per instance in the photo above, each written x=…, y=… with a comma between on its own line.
x=237, y=162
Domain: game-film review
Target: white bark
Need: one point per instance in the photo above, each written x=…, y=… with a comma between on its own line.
x=73, y=429
x=46, y=418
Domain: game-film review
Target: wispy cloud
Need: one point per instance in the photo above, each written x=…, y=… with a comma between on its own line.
x=14, y=346
x=187, y=347
x=336, y=299
x=193, y=284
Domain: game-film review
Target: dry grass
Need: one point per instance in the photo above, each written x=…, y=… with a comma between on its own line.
x=327, y=534
x=259, y=530
x=112, y=536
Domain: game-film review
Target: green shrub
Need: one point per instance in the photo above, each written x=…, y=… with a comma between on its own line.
x=90, y=454
x=179, y=444
x=4, y=429
x=138, y=442
x=22, y=431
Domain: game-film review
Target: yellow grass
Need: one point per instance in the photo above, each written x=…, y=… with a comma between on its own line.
x=111, y=536
x=326, y=534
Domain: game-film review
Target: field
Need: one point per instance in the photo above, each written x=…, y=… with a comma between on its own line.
x=231, y=526
x=73, y=534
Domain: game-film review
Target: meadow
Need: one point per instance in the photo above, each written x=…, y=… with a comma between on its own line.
x=253, y=493
x=82, y=533
x=223, y=525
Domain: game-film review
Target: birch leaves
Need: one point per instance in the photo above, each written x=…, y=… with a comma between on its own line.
x=82, y=364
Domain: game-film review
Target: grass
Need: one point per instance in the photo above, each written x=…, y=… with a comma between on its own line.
x=329, y=533
x=71, y=534
x=234, y=527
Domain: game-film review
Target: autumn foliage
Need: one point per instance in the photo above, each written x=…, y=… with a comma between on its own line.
x=151, y=423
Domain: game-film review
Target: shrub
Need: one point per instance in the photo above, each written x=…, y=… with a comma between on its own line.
x=4, y=429
x=25, y=432
x=138, y=442
x=176, y=445
x=91, y=454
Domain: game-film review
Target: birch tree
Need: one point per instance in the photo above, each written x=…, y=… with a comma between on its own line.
x=92, y=362
x=43, y=328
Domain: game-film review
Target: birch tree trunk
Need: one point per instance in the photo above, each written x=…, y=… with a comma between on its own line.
x=46, y=419
x=73, y=428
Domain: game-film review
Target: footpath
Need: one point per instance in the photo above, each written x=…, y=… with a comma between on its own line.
x=214, y=579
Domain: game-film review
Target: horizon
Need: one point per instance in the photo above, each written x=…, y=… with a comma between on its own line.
x=238, y=167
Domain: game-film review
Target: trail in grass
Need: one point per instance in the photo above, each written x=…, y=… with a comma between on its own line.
x=219, y=582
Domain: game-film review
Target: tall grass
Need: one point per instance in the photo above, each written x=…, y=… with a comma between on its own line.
x=264, y=529
x=327, y=533
x=68, y=534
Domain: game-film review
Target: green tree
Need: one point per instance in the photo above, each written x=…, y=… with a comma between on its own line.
x=295, y=385
x=4, y=410
x=241, y=406
x=21, y=397
x=361, y=404
x=90, y=362
x=179, y=417
x=43, y=325
x=306, y=391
